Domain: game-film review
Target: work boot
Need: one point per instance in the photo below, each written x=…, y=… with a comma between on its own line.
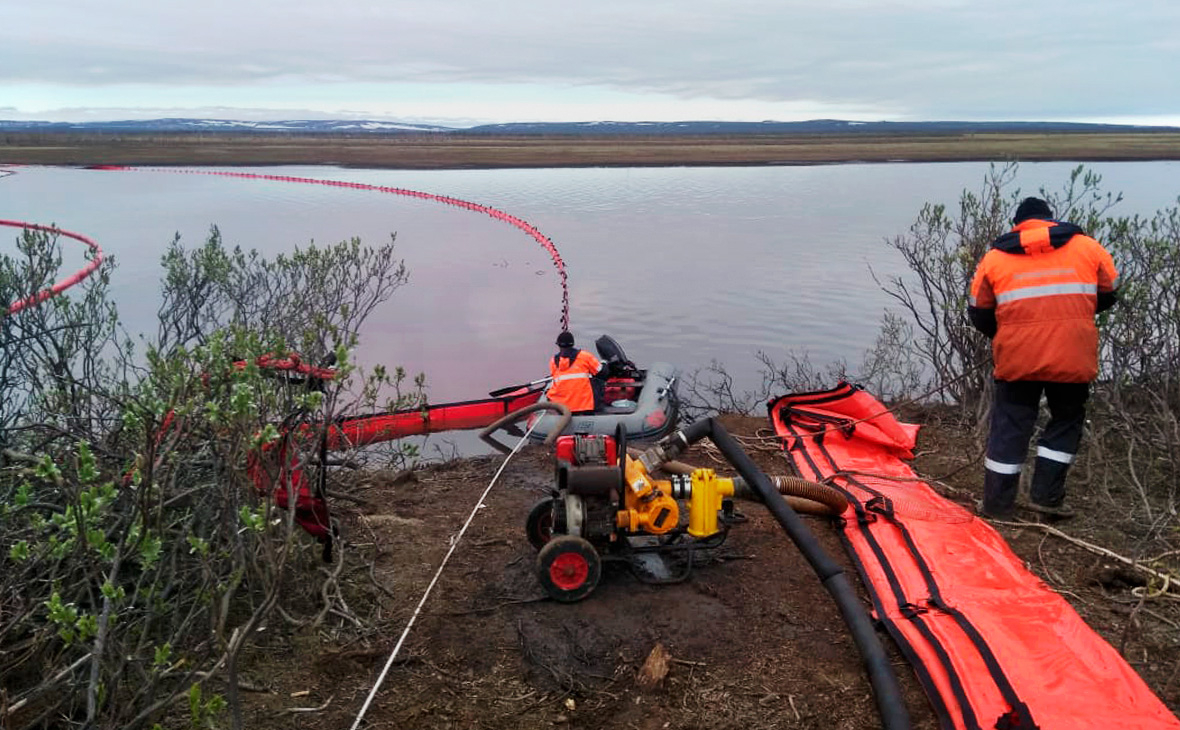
x=988, y=514
x=1052, y=513
x=1046, y=494
x=999, y=494
x=1048, y=482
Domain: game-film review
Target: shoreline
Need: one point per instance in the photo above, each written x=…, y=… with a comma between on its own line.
x=469, y=152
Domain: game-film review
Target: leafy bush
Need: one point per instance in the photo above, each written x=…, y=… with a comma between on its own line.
x=139, y=556
x=930, y=349
x=1133, y=432
x=927, y=351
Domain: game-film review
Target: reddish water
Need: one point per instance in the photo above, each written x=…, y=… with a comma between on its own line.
x=684, y=265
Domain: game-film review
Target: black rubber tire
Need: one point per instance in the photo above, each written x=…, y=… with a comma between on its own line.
x=539, y=525
x=568, y=568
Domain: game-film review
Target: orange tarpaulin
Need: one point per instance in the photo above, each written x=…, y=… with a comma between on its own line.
x=993, y=646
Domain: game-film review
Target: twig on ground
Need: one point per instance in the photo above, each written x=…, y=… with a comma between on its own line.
x=521, y=698
x=687, y=663
x=539, y=701
x=1168, y=580
x=791, y=699
x=347, y=497
x=1131, y=623
x=1045, y=566
x=44, y=686
x=321, y=708
x=373, y=563
x=326, y=588
x=496, y=607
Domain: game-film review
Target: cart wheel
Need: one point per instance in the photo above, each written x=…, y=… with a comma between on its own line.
x=539, y=525
x=568, y=568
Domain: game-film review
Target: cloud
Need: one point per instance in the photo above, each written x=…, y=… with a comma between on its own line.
x=918, y=59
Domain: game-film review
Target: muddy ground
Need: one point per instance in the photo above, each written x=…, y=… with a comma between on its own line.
x=752, y=638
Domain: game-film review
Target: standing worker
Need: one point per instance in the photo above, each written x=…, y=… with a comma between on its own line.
x=573, y=371
x=1035, y=294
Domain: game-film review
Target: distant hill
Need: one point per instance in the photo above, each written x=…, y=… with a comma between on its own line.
x=815, y=126
x=353, y=127
x=301, y=126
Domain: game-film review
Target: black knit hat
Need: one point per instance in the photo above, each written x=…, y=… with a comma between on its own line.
x=1032, y=208
x=565, y=339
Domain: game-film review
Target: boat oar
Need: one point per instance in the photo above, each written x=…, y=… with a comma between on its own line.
x=513, y=388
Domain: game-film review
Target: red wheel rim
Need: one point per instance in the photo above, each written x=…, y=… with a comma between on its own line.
x=569, y=571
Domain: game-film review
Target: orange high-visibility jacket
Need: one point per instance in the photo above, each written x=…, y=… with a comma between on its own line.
x=571, y=380
x=1043, y=280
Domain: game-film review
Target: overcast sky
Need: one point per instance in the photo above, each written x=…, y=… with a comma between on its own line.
x=463, y=62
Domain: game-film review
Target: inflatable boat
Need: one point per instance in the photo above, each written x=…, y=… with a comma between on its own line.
x=643, y=403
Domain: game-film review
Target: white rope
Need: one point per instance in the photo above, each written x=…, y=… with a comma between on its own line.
x=454, y=544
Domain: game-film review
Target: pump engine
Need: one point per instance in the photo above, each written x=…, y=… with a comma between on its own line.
x=605, y=507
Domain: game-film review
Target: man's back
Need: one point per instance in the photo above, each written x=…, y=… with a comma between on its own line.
x=571, y=370
x=1043, y=280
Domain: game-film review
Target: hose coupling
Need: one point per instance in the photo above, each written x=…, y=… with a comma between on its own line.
x=664, y=450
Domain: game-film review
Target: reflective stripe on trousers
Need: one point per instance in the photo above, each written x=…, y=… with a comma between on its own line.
x=1013, y=419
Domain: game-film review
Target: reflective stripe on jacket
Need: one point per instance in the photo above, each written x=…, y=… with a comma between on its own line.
x=571, y=379
x=1042, y=279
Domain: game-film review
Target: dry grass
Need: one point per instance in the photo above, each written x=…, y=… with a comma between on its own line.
x=462, y=151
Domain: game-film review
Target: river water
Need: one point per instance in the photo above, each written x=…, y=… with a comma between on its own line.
x=685, y=265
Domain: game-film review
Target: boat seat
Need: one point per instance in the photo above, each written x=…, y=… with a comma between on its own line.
x=622, y=408
x=612, y=411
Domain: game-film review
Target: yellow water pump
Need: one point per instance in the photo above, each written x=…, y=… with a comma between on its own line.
x=608, y=507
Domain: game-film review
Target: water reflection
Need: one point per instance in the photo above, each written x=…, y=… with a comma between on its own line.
x=686, y=265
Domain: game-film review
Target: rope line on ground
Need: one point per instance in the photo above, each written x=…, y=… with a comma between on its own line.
x=422, y=602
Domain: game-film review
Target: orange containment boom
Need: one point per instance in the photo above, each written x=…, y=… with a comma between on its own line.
x=57, y=288
x=274, y=471
x=992, y=645
x=464, y=415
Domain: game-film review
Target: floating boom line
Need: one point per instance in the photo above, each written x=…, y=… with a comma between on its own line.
x=63, y=284
x=487, y=210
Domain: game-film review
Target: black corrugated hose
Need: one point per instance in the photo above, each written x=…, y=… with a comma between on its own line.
x=887, y=691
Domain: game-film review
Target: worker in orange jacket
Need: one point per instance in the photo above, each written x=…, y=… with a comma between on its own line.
x=574, y=373
x=1035, y=294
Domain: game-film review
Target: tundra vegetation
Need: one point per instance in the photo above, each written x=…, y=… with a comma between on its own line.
x=927, y=355
x=140, y=561
x=139, y=558
x=456, y=151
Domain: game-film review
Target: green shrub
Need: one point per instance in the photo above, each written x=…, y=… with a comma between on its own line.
x=138, y=557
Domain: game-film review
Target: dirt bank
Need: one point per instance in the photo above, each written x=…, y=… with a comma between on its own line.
x=754, y=640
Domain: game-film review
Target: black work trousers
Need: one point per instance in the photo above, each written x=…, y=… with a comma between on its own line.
x=1013, y=418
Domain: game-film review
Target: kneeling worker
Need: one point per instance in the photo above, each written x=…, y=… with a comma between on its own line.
x=573, y=372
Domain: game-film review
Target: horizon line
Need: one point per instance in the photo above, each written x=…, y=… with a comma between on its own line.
x=451, y=125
